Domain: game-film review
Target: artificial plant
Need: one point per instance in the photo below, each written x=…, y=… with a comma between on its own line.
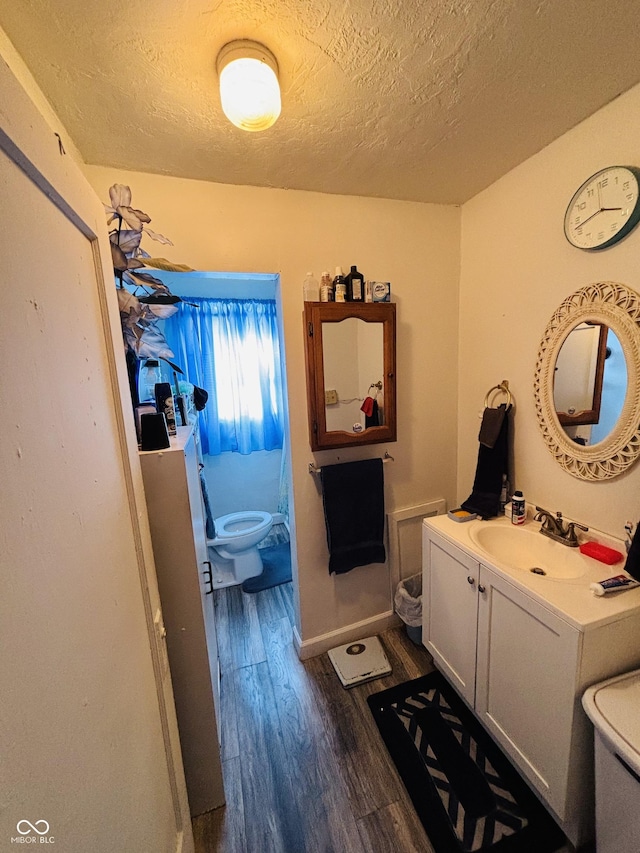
x=147, y=299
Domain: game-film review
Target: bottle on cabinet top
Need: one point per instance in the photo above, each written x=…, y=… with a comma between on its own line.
x=326, y=287
x=339, y=286
x=311, y=288
x=355, y=285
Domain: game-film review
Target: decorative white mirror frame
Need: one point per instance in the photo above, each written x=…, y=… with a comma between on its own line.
x=619, y=308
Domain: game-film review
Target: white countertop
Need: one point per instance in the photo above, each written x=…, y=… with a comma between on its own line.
x=570, y=598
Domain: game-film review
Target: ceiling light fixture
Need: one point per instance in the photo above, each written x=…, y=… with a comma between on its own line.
x=249, y=88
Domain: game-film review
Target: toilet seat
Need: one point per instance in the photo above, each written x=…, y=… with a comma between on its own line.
x=235, y=524
x=234, y=549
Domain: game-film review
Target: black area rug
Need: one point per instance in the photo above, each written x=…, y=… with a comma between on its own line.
x=277, y=568
x=465, y=791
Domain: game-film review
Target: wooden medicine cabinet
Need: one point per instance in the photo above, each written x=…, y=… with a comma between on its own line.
x=350, y=356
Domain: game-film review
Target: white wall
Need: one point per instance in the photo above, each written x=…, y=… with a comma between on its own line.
x=84, y=730
x=236, y=482
x=416, y=248
x=516, y=269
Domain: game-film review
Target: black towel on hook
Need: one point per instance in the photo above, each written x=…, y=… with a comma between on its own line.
x=353, y=499
x=374, y=418
x=492, y=465
x=490, y=426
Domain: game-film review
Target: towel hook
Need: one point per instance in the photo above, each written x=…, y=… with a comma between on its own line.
x=502, y=387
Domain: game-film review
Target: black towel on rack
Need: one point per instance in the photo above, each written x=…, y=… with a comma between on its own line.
x=492, y=465
x=353, y=498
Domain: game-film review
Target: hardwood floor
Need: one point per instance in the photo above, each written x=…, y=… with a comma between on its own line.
x=304, y=767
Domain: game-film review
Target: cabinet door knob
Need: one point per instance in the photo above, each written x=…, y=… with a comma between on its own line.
x=470, y=580
x=481, y=588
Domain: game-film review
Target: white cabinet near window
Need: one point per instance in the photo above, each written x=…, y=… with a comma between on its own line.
x=521, y=652
x=176, y=517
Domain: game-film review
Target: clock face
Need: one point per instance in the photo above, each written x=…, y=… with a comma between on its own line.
x=604, y=209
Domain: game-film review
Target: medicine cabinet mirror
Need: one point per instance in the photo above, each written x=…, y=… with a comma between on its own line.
x=587, y=382
x=351, y=367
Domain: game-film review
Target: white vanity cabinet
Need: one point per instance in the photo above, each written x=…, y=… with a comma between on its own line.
x=176, y=517
x=450, y=611
x=526, y=664
x=522, y=668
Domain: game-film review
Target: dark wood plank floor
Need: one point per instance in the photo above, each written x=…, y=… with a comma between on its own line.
x=304, y=767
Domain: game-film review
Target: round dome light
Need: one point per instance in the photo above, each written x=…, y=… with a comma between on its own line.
x=249, y=88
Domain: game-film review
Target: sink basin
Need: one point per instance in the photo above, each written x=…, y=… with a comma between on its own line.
x=525, y=549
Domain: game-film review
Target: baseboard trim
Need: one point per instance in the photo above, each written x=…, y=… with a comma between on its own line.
x=306, y=649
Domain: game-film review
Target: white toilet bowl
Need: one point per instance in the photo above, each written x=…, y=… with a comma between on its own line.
x=234, y=548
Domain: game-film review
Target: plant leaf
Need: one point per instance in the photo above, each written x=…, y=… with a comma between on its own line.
x=130, y=340
x=158, y=237
x=118, y=258
x=142, y=216
x=127, y=301
x=145, y=279
x=152, y=343
x=163, y=311
x=168, y=266
x=120, y=195
x=173, y=366
x=128, y=240
x=161, y=289
x=160, y=299
x=130, y=217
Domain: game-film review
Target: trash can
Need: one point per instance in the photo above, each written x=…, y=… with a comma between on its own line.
x=613, y=709
x=408, y=605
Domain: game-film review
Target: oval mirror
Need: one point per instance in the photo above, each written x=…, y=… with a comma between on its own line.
x=608, y=441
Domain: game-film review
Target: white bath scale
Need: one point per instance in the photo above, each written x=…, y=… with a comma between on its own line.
x=361, y=661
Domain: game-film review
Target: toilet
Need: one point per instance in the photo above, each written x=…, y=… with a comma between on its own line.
x=234, y=549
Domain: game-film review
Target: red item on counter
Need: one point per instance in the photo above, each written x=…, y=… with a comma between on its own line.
x=601, y=553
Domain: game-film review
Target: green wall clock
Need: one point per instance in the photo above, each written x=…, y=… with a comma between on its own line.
x=604, y=209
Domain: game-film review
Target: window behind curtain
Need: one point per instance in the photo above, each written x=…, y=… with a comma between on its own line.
x=230, y=348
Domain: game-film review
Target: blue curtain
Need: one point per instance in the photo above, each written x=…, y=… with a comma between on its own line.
x=230, y=348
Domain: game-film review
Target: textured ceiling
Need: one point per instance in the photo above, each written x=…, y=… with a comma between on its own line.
x=427, y=100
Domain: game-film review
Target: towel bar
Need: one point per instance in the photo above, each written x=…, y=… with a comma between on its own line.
x=504, y=387
x=313, y=469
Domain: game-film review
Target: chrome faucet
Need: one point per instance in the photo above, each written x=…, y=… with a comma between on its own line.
x=555, y=528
